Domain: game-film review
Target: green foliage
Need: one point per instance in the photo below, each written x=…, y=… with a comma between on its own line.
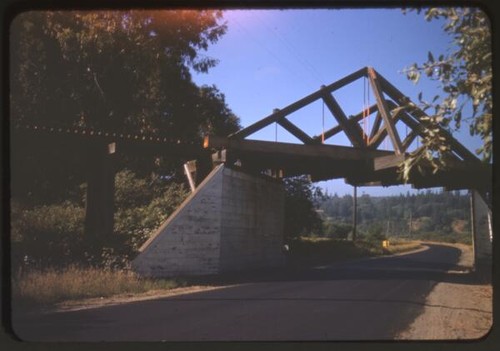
x=336, y=230
x=52, y=235
x=465, y=75
x=141, y=206
x=113, y=71
x=300, y=215
x=375, y=233
x=392, y=216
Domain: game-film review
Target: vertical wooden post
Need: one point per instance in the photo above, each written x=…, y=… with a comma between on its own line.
x=99, y=205
x=188, y=172
x=354, y=213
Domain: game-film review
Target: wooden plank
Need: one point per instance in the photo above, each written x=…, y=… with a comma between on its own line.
x=385, y=162
x=333, y=152
x=296, y=131
x=399, y=97
x=274, y=117
x=377, y=139
x=337, y=129
x=384, y=111
x=352, y=131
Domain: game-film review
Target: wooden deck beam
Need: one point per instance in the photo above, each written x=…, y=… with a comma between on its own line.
x=333, y=152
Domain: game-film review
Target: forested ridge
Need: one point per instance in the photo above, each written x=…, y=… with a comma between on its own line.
x=426, y=215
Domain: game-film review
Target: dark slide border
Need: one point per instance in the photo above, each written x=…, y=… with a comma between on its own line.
x=9, y=8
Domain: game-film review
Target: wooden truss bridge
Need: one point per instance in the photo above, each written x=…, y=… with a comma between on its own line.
x=363, y=163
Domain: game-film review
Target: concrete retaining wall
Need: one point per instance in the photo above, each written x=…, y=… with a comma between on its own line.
x=482, y=230
x=233, y=221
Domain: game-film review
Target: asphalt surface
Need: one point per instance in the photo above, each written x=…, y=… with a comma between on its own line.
x=371, y=299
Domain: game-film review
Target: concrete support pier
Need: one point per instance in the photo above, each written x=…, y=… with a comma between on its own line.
x=232, y=221
x=482, y=232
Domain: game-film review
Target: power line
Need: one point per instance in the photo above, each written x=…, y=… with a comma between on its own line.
x=293, y=50
x=265, y=48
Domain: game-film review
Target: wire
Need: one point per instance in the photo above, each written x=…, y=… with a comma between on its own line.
x=323, y=123
x=249, y=34
x=366, y=110
x=292, y=49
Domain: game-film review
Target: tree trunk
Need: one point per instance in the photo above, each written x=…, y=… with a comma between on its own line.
x=99, y=206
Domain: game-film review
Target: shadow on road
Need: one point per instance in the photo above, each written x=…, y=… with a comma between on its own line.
x=438, y=263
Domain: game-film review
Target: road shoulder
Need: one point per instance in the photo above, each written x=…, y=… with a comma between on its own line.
x=454, y=310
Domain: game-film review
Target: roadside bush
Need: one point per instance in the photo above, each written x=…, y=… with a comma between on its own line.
x=336, y=230
x=136, y=216
x=52, y=235
x=49, y=235
x=375, y=233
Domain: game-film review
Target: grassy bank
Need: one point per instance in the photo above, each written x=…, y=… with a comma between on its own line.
x=42, y=288
x=310, y=250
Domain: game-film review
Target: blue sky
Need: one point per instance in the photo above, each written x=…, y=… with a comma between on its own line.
x=271, y=58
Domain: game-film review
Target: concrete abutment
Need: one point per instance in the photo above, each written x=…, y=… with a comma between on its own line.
x=233, y=221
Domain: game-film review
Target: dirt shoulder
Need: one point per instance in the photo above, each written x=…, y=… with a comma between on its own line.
x=454, y=310
x=76, y=305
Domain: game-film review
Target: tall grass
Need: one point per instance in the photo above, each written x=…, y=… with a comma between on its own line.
x=51, y=286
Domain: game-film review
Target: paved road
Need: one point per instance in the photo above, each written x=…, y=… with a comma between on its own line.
x=362, y=300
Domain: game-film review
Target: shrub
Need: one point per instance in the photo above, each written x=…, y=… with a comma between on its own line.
x=52, y=235
x=137, y=222
x=49, y=234
x=336, y=230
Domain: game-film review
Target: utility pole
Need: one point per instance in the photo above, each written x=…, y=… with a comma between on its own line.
x=354, y=213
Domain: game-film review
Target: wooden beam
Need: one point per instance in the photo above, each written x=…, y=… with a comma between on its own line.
x=352, y=131
x=376, y=125
x=384, y=111
x=125, y=143
x=296, y=131
x=377, y=139
x=385, y=162
x=337, y=129
x=274, y=117
x=403, y=100
x=409, y=139
x=333, y=152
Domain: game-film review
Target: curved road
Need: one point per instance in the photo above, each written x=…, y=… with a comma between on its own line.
x=370, y=299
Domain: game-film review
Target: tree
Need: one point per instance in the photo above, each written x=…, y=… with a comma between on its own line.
x=119, y=71
x=125, y=71
x=465, y=76
x=300, y=215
